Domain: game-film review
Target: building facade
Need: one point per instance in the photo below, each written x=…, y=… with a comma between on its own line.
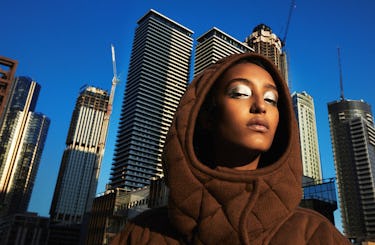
x=157, y=78
x=214, y=45
x=303, y=105
x=353, y=142
x=81, y=161
x=267, y=43
x=25, y=228
x=22, y=137
x=7, y=73
x=320, y=196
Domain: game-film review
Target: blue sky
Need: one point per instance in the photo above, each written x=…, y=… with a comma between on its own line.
x=64, y=45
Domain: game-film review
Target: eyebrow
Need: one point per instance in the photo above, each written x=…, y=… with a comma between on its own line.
x=244, y=80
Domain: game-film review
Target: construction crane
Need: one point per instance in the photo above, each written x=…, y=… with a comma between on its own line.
x=115, y=81
x=291, y=8
x=103, y=133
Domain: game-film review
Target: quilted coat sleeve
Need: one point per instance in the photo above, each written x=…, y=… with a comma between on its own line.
x=309, y=227
x=151, y=228
x=324, y=234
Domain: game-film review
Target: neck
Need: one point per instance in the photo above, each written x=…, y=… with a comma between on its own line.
x=235, y=158
x=250, y=166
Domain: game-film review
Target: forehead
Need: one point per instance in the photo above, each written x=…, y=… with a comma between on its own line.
x=246, y=70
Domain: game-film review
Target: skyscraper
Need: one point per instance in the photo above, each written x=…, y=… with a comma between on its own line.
x=267, y=43
x=7, y=72
x=22, y=138
x=353, y=142
x=304, y=109
x=214, y=45
x=80, y=165
x=157, y=78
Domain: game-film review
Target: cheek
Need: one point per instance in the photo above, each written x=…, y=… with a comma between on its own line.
x=229, y=117
x=275, y=121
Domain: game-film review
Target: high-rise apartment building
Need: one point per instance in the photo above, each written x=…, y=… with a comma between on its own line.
x=303, y=105
x=80, y=165
x=7, y=72
x=157, y=78
x=267, y=43
x=353, y=142
x=22, y=137
x=214, y=45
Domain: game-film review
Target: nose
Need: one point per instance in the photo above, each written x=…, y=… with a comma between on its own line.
x=258, y=105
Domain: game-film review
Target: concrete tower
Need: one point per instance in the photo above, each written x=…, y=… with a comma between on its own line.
x=157, y=78
x=353, y=142
x=7, y=72
x=267, y=43
x=79, y=170
x=214, y=45
x=304, y=109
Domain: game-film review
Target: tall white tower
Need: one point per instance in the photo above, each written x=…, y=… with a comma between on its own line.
x=157, y=78
x=304, y=109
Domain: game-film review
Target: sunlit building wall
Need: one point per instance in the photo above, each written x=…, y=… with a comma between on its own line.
x=267, y=43
x=157, y=78
x=79, y=170
x=303, y=105
x=214, y=45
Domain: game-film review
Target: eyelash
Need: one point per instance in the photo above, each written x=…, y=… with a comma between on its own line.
x=271, y=101
x=237, y=95
x=240, y=92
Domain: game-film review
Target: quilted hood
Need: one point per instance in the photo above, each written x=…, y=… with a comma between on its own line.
x=218, y=206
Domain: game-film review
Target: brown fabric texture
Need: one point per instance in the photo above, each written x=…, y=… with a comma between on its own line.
x=225, y=206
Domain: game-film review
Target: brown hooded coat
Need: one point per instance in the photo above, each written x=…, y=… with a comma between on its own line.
x=225, y=206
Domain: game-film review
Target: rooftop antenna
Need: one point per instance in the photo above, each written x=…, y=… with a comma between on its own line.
x=341, y=83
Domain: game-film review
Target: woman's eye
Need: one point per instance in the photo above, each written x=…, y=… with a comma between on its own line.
x=240, y=92
x=271, y=97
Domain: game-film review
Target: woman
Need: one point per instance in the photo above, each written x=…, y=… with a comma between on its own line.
x=232, y=163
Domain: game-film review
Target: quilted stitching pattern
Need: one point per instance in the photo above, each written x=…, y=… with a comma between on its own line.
x=211, y=203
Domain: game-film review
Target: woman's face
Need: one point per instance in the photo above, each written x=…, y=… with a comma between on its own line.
x=247, y=115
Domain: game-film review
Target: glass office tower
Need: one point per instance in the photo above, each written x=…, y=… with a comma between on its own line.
x=22, y=138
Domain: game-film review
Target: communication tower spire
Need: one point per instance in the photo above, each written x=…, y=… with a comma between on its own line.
x=340, y=70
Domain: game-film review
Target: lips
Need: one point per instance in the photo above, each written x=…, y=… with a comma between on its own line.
x=258, y=124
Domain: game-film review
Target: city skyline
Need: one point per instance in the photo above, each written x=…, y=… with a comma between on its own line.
x=83, y=56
